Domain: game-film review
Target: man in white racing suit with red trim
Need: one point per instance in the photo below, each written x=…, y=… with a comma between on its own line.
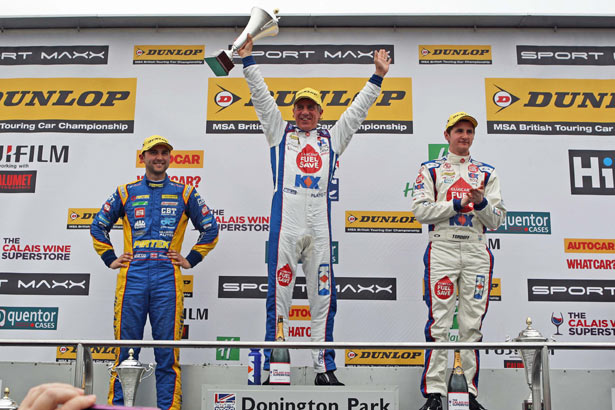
x=303, y=160
x=459, y=198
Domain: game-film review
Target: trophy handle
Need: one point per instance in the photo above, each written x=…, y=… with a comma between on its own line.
x=148, y=372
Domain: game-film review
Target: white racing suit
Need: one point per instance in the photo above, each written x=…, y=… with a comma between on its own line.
x=303, y=163
x=457, y=259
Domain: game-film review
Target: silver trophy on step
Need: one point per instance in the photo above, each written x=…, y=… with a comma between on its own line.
x=131, y=372
x=261, y=24
x=532, y=363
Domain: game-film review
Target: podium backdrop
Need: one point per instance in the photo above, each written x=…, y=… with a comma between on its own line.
x=75, y=107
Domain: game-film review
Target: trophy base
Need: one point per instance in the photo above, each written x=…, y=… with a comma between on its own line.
x=221, y=63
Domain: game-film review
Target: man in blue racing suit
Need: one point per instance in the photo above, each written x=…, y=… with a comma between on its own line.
x=303, y=160
x=154, y=212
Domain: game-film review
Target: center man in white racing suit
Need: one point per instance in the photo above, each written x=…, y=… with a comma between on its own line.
x=303, y=160
x=459, y=198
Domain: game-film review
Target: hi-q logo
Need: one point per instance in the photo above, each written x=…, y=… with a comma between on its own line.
x=591, y=172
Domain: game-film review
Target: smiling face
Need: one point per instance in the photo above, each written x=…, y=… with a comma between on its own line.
x=460, y=137
x=307, y=114
x=157, y=161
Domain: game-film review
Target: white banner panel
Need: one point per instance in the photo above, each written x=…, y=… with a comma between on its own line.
x=76, y=106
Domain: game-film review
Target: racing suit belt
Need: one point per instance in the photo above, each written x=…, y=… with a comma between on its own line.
x=456, y=236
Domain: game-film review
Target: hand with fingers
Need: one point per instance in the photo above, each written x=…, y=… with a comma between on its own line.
x=382, y=61
x=122, y=261
x=51, y=396
x=246, y=49
x=178, y=260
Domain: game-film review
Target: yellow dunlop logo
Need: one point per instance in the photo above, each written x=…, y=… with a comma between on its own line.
x=382, y=357
x=299, y=312
x=188, y=285
x=168, y=54
x=550, y=106
x=589, y=245
x=496, y=289
x=99, y=353
x=180, y=159
x=454, y=54
x=81, y=218
x=85, y=105
x=230, y=110
x=382, y=221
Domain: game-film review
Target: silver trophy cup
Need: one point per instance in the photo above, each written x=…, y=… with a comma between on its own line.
x=131, y=372
x=532, y=363
x=261, y=24
x=6, y=403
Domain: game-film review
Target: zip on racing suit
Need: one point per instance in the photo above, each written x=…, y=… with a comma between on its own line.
x=154, y=216
x=457, y=258
x=303, y=163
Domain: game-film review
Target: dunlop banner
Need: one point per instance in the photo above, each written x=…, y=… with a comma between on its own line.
x=230, y=110
x=454, y=54
x=68, y=105
x=81, y=218
x=99, y=353
x=550, y=106
x=383, y=357
x=382, y=222
x=168, y=54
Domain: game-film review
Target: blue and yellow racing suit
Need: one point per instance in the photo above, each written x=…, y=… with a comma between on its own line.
x=154, y=215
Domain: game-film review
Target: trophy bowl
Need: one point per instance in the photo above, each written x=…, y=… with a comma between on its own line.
x=261, y=24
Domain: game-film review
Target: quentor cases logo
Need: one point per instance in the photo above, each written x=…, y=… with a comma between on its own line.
x=230, y=109
x=28, y=318
x=592, y=172
x=537, y=223
x=550, y=106
x=454, y=54
x=82, y=105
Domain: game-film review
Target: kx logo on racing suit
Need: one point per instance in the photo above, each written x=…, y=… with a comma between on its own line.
x=461, y=220
x=309, y=182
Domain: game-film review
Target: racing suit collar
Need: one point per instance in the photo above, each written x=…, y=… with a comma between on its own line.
x=156, y=184
x=299, y=130
x=457, y=159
